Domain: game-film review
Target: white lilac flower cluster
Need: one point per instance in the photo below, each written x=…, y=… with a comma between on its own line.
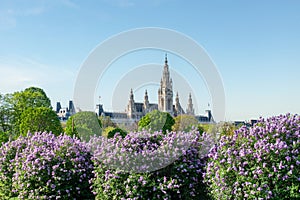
x=147, y=165
x=43, y=166
x=262, y=162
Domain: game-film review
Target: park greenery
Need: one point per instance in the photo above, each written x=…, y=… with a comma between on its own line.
x=16, y=110
x=156, y=121
x=106, y=122
x=184, y=123
x=84, y=125
x=90, y=157
x=110, y=132
x=39, y=119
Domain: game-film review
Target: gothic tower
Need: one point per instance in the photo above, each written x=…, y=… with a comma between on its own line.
x=146, y=102
x=190, y=109
x=165, y=92
x=130, y=106
x=178, y=108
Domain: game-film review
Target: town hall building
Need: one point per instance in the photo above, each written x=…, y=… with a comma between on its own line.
x=136, y=110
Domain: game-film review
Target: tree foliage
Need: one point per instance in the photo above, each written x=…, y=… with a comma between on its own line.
x=5, y=113
x=31, y=97
x=157, y=121
x=39, y=119
x=110, y=132
x=15, y=104
x=184, y=123
x=3, y=137
x=106, y=122
x=70, y=128
x=84, y=125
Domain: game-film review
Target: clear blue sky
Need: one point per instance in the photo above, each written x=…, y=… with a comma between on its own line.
x=254, y=44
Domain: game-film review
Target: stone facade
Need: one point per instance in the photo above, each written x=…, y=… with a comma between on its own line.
x=64, y=113
x=136, y=110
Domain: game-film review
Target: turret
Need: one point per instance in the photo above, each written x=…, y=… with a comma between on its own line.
x=71, y=108
x=146, y=102
x=190, y=108
x=165, y=92
x=178, y=108
x=130, y=106
x=58, y=107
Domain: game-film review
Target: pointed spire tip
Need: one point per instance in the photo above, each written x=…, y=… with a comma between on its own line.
x=166, y=58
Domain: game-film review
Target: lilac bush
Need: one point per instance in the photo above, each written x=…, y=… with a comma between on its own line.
x=149, y=166
x=43, y=166
x=262, y=162
x=8, y=152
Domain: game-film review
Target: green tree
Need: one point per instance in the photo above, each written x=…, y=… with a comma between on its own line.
x=129, y=127
x=84, y=125
x=109, y=132
x=40, y=119
x=84, y=133
x=31, y=97
x=208, y=128
x=200, y=129
x=157, y=121
x=184, y=123
x=5, y=114
x=106, y=122
x=70, y=128
x=3, y=137
x=13, y=105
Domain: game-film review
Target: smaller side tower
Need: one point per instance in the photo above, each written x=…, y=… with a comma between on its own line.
x=190, y=108
x=58, y=107
x=178, y=108
x=130, y=106
x=146, y=103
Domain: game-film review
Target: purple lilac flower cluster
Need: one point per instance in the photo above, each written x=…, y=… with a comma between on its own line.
x=43, y=166
x=147, y=165
x=262, y=162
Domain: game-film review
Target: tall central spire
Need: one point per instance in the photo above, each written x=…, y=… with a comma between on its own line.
x=166, y=74
x=165, y=92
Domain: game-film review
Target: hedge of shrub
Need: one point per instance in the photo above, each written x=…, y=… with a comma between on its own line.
x=262, y=162
x=43, y=166
x=109, y=132
x=140, y=166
